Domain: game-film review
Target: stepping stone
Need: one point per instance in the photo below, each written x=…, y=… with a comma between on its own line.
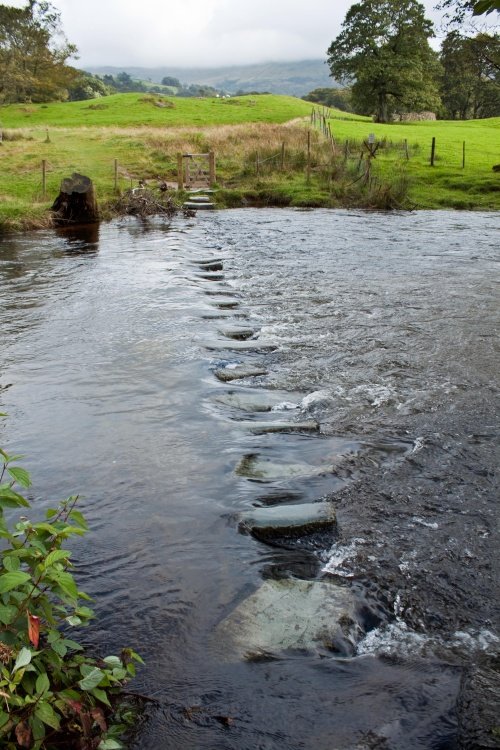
x=211, y=266
x=195, y=198
x=288, y=520
x=259, y=469
x=249, y=401
x=263, y=427
x=206, y=262
x=292, y=615
x=241, y=346
x=227, y=374
x=238, y=334
x=197, y=206
x=227, y=304
x=210, y=276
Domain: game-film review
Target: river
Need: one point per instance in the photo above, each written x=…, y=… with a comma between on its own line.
x=383, y=328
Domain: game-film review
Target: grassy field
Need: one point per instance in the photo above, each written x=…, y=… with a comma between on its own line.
x=145, y=138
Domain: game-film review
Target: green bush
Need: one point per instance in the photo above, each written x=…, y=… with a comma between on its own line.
x=52, y=694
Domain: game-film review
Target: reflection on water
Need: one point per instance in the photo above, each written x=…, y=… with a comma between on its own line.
x=381, y=328
x=80, y=239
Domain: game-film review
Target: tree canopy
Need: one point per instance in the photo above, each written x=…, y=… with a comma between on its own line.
x=383, y=51
x=471, y=76
x=33, y=54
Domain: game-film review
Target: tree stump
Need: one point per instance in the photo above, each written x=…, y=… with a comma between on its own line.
x=76, y=203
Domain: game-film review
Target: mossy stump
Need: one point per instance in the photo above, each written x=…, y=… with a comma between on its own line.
x=76, y=202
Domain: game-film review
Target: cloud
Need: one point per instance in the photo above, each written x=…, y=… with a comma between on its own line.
x=192, y=33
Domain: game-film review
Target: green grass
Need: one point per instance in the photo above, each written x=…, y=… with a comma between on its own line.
x=134, y=110
x=145, y=139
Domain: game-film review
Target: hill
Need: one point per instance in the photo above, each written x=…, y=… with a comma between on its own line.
x=292, y=78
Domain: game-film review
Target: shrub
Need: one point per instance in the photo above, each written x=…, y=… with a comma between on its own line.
x=53, y=694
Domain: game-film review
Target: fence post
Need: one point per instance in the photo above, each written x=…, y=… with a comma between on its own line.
x=407, y=154
x=180, y=170
x=308, y=156
x=463, y=155
x=433, y=151
x=211, y=162
x=44, y=179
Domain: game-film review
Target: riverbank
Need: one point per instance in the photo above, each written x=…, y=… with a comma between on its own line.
x=267, y=153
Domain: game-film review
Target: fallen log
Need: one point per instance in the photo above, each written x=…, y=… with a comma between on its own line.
x=76, y=202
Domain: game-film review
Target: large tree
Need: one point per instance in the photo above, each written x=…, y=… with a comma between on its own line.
x=383, y=51
x=33, y=54
x=471, y=76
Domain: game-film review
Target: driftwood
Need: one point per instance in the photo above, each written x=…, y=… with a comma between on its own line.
x=143, y=202
x=76, y=203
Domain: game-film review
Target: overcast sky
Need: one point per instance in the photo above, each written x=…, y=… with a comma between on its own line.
x=192, y=33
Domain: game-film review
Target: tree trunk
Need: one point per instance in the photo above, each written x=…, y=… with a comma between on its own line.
x=382, y=109
x=76, y=203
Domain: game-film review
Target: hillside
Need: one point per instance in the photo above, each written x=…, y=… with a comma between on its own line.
x=292, y=78
x=125, y=110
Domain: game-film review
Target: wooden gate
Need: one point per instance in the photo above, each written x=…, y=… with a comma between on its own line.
x=196, y=170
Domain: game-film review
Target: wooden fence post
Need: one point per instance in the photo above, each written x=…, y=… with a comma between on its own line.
x=463, y=155
x=180, y=175
x=407, y=154
x=308, y=156
x=211, y=162
x=44, y=179
x=433, y=151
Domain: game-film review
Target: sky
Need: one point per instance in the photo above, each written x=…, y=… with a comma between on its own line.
x=206, y=33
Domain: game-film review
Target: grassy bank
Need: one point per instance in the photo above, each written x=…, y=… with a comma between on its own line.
x=145, y=138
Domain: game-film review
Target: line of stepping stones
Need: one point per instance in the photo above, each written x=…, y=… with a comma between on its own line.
x=285, y=614
x=199, y=201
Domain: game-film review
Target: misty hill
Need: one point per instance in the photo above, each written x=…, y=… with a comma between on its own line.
x=292, y=78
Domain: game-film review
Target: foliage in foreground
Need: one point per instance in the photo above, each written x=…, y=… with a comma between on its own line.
x=53, y=695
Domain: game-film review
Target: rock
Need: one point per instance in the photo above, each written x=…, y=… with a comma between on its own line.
x=239, y=334
x=215, y=265
x=227, y=304
x=478, y=710
x=194, y=206
x=291, y=615
x=210, y=276
x=252, y=401
x=288, y=520
x=275, y=426
x=227, y=374
x=255, y=345
x=258, y=469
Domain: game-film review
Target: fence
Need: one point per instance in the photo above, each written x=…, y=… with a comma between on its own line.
x=312, y=151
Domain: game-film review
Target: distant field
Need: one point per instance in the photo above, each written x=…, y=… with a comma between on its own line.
x=145, y=138
x=126, y=110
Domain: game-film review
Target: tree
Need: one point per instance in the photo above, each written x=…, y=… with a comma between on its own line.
x=87, y=86
x=338, y=98
x=169, y=81
x=383, y=52
x=471, y=76
x=33, y=54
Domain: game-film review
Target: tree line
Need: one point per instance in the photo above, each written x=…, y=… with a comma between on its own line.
x=382, y=58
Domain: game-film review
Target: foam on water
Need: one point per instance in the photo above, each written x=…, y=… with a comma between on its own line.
x=397, y=639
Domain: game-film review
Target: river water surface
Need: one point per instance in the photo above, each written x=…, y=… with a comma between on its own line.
x=382, y=328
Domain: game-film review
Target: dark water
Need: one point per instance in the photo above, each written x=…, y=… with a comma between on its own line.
x=383, y=328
